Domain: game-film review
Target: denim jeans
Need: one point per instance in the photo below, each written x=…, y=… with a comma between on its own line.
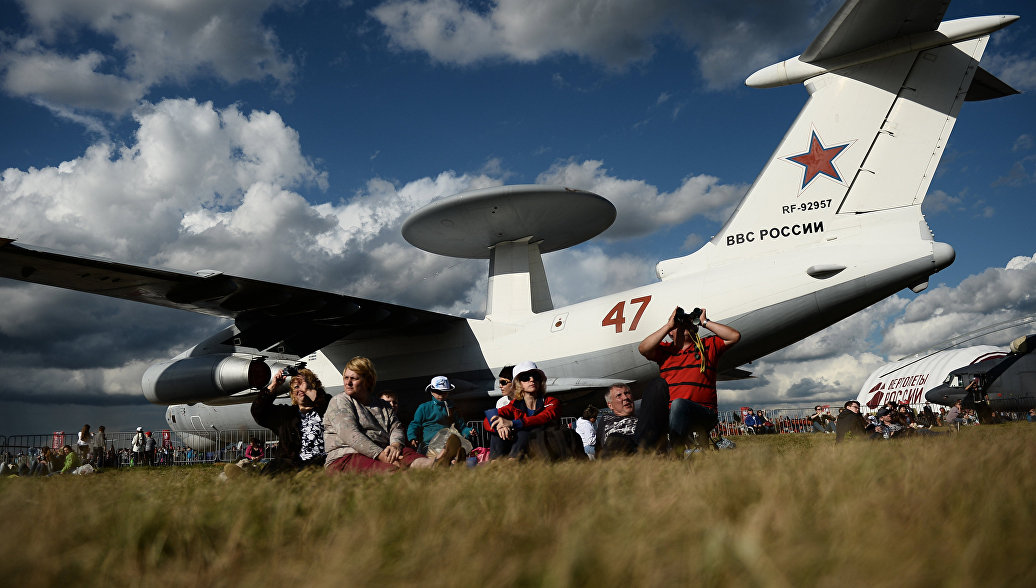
x=687, y=417
x=656, y=418
x=517, y=446
x=825, y=427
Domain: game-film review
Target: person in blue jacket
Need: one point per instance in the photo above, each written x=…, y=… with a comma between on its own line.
x=435, y=415
x=751, y=421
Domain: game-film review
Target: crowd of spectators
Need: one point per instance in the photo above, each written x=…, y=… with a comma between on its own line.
x=594, y=428
x=44, y=460
x=362, y=431
x=603, y=433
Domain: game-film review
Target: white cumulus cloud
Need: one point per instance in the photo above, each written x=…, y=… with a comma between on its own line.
x=150, y=41
x=730, y=39
x=641, y=207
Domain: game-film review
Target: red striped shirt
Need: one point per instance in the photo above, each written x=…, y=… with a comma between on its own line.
x=682, y=371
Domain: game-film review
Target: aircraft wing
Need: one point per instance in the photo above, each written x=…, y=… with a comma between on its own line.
x=270, y=316
x=863, y=23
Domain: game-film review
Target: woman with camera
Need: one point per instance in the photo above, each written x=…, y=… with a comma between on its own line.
x=299, y=426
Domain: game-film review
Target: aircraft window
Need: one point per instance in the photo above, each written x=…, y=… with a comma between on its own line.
x=174, y=418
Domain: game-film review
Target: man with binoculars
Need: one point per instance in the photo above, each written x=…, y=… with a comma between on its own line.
x=683, y=400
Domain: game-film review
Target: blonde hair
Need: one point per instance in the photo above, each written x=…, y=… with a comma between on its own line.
x=519, y=394
x=365, y=369
x=312, y=382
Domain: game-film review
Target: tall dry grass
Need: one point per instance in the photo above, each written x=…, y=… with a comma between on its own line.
x=788, y=510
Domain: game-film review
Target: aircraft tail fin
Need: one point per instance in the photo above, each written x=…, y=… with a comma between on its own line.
x=862, y=151
x=907, y=145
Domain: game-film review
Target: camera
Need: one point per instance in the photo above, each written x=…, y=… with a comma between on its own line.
x=292, y=370
x=685, y=320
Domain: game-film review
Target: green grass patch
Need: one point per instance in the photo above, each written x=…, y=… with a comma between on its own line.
x=780, y=510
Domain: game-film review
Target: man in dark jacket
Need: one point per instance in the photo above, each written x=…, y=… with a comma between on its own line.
x=299, y=426
x=850, y=423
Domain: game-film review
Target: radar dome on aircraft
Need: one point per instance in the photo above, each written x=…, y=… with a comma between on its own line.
x=512, y=226
x=469, y=224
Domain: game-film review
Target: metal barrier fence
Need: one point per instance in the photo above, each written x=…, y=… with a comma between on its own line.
x=229, y=445
x=785, y=420
x=170, y=449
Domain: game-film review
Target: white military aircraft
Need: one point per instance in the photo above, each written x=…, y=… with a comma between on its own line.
x=832, y=225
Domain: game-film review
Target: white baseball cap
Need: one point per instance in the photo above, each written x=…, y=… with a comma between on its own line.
x=525, y=367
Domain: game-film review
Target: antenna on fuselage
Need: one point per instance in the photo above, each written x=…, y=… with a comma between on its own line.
x=512, y=226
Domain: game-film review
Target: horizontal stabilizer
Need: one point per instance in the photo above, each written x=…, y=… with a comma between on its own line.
x=857, y=41
x=986, y=86
x=863, y=23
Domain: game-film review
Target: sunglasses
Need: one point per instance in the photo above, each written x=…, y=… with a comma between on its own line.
x=504, y=382
x=529, y=378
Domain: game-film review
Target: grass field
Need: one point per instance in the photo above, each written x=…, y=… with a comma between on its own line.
x=787, y=510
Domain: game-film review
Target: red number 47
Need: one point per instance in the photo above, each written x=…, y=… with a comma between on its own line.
x=615, y=315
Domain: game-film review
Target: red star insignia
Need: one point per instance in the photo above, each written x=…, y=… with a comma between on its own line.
x=818, y=160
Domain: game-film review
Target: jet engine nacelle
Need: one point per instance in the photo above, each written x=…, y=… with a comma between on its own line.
x=197, y=379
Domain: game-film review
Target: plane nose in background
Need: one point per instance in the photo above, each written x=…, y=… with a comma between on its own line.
x=936, y=395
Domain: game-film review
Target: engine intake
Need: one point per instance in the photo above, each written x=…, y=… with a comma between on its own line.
x=197, y=379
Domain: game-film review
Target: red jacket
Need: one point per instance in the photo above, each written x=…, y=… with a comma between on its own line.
x=546, y=411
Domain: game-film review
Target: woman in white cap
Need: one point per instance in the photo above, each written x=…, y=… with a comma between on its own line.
x=435, y=415
x=532, y=411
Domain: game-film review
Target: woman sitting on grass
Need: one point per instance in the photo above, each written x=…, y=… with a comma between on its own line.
x=363, y=434
x=299, y=427
x=44, y=463
x=530, y=412
x=894, y=425
x=72, y=460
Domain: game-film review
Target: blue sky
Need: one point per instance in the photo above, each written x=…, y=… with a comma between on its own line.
x=289, y=140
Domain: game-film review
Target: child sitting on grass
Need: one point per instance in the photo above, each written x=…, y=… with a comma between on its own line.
x=436, y=415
